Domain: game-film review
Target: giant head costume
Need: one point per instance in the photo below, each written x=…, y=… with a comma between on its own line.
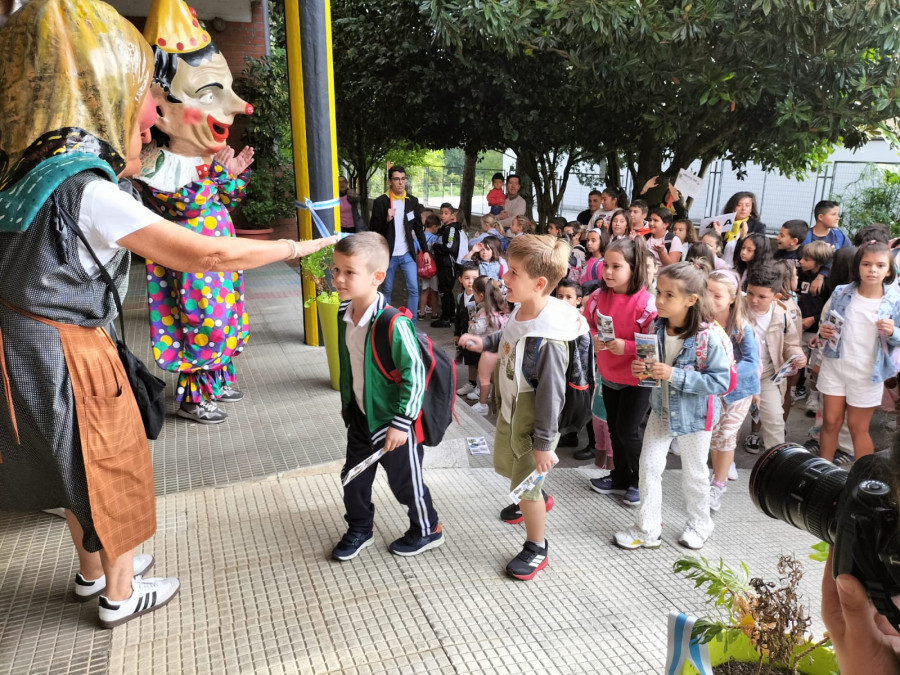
x=47, y=110
x=191, y=82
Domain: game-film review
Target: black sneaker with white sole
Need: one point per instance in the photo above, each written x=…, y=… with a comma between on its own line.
x=512, y=514
x=351, y=544
x=230, y=395
x=147, y=595
x=88, y=590
x=531, y=560
x=205, y=412
x=413, y=543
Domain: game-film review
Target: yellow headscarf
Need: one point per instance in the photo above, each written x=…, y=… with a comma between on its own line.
x=73, y=75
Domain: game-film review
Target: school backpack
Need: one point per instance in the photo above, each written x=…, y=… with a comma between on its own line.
x=702, y=344
x=440, y=375
x=576, y=410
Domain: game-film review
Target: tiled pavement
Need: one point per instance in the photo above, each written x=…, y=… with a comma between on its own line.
x=249, y=510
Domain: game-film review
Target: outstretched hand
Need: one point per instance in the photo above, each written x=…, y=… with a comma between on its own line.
x=236, y=164
x=652, y=183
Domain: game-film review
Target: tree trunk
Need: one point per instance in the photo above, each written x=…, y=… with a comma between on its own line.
x=649, y=161
x=362, y=170
x=467, y=186
x=613, y=171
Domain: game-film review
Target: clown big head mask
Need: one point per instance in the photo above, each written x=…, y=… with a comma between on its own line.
x=191, y=82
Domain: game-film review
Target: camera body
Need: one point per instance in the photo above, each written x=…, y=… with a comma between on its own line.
x=856, y=512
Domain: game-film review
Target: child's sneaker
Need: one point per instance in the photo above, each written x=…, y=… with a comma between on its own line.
x=512, y=514
x=481, y=409
x=531, y=560
x=605, y=486
x=205, y=412
x=631, y=497
x=812, y=405
x=629, y=539
x=351, y=544
x=690, y=538
x=413, y=543
x=88, y=590
x=147, y=595
x=475, y=394
x=231, y=395
x=466, y=389
x=715, y=497
x=751, y=444
x=798, y=393
x=732, y=472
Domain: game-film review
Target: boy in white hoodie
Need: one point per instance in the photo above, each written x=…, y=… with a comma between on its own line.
x=530, y=382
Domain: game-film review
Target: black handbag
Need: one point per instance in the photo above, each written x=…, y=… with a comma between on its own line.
x=147, y=388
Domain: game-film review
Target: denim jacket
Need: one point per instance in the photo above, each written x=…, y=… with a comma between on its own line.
x=693, y=395
x=888, y=309
x=746, y=353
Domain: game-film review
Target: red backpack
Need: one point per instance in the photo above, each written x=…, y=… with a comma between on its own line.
x=440, y=376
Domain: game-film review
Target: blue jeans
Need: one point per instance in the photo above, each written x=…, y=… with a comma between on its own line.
x=411, y=272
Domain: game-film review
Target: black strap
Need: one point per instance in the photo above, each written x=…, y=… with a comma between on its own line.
x=72, y=224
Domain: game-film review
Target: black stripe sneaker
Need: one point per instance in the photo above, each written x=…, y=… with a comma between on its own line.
x=88, y=590
x=205, y=412
x=413, y=543
x=529, y=562
x=230, y=395
x=512, y=514
x=147, y=595
x=351, y=544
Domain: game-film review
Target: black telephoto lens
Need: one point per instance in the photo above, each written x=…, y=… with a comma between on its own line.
x=790, y=484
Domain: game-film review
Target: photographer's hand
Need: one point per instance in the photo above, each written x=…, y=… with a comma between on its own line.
x=864, y=642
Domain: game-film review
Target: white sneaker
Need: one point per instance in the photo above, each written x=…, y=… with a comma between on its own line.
x=690, y=538
x=481, y=408
x=732, y=472
x=466, y=389
x=475, y=394
x=59, y=512
x=88, y=590
x=629, y=539
x=673, y=448
x=715, y=497
x=812, y=403
x=147, y=595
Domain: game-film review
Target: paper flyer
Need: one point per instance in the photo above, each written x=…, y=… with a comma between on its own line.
x=530, y=481
x=362, y=466
x=836, y=320
x=787, y=369
x=477, y=445
x=605, y=329
x=647, y=348
x=688, y=184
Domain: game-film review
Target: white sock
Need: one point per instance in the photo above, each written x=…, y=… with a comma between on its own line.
x=539, y=544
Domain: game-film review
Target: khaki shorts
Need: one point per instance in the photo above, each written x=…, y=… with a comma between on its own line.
x=515, y=467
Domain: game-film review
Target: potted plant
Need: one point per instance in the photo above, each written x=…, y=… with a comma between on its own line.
x=316, y=267
x=762, y=627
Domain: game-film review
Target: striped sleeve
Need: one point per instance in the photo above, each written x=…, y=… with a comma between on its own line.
x=408, y=362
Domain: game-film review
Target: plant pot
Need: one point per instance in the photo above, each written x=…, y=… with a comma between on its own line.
x=328, y=318
x=820, y=661
x=264, y=233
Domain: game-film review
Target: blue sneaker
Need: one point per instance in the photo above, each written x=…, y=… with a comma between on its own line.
x=631, y=497
x=412, y=543
x=605, y=486
x=351, y=544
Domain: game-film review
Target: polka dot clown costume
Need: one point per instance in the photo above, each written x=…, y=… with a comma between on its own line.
x=197, y=321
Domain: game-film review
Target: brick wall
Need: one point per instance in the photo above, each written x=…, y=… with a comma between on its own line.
x=237, y=41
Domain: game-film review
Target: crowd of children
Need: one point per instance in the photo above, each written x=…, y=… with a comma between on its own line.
x=691, y=331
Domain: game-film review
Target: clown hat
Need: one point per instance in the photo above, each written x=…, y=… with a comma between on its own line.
x=173, y=27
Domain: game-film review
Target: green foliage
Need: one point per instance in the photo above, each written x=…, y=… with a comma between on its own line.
x=264, y=84
x=723, y=585
x=873, y=198
x=317, y=266
x=820, y=552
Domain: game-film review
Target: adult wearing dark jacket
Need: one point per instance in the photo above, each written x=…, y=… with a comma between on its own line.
x=397, y=216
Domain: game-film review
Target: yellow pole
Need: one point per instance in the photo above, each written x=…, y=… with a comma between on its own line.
x=301, y=163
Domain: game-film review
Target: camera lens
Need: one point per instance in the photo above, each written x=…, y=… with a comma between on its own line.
x=790, y=484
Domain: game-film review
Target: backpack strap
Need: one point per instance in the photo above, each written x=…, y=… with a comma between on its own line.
x=382, y=337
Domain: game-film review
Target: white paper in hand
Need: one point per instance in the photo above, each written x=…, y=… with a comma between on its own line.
x=726, y=220
x=362, y=466
x=688, y=184
x=530, y=481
